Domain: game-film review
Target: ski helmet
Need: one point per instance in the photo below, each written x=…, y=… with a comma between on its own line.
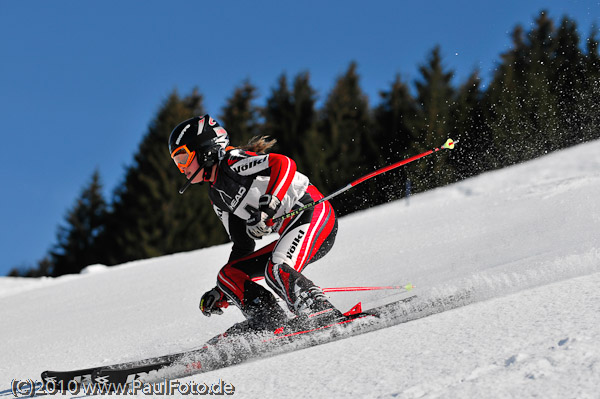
x=200, y=136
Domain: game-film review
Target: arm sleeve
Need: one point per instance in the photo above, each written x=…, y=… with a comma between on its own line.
x=282, y=171
x=243, y=244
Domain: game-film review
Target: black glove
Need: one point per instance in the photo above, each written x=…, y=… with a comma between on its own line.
x=209, y=301
x=256, y=226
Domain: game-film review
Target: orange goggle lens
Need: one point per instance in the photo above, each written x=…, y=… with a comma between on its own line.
x=183, y=157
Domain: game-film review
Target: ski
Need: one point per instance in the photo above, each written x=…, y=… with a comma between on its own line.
x=64, y=378
x=229, y=349
x=223, y=350
x=85, y=376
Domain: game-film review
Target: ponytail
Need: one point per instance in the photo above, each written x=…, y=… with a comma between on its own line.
x=259, y=144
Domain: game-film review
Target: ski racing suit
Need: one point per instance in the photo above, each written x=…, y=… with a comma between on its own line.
x=242, y=177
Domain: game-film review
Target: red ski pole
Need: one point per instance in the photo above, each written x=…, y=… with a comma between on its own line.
x=406, y=287
x=449, y=144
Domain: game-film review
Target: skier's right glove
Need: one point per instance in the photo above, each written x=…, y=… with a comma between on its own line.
x=256, y=225
x=209, y=302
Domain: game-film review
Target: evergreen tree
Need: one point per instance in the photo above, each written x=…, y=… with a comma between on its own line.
x=394, y=120
x=541, y=105
x=348, y=142
x=149, y=217
x=527, y=117
x=568, y=80
x=589, y=105
x=469, y=157
x=240, y=116
x=17, y=271
x=279, y=114
x=76, y=247
x=435, y=96
x=290, y=117
x=44, y=268
x=503, y=105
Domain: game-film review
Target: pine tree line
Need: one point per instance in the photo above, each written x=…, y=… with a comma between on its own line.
x=543, y=97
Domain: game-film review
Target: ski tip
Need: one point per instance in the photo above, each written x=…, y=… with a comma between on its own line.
x=355, y=310
x=449, y=144
x=409, y=287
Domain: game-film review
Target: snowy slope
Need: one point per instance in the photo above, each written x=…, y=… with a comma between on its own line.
x=525, y=240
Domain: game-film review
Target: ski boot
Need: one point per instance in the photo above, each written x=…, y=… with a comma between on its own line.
x=261, y=309
x=314, y=309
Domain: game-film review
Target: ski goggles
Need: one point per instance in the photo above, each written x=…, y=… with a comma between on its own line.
x=183, y=157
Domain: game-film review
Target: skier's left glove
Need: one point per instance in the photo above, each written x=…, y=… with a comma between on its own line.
x=209, y=302
x=256, y=226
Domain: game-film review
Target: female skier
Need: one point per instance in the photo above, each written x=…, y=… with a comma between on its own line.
x=248, y=188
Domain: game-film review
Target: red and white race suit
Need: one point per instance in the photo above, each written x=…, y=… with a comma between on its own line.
x=241, y=178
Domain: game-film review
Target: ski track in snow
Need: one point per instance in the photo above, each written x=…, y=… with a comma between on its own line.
x=523, y=241
x=481, y=350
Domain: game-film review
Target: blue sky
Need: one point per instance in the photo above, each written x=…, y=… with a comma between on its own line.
x=81, y=80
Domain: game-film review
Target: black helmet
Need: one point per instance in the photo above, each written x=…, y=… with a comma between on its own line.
x=200, y=136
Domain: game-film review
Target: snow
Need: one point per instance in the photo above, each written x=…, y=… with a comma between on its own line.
x=522, y=240
x=96, y=268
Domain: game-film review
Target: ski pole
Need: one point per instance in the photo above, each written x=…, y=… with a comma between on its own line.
x=449, y=144
x=406, y=287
